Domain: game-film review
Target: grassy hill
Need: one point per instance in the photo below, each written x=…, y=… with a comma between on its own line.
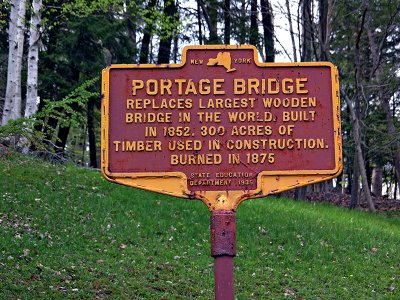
x=66, y=233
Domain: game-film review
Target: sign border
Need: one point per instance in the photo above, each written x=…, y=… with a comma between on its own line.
x=175, y=183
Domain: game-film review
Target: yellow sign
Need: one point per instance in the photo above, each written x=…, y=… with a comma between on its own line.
x=221, y=126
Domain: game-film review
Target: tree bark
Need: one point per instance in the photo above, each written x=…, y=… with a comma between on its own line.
x=227, y=21
x=164, y=50
x=325, y=15
x=354, y=112
x=91, y=133
x=253, y=23
x=342, y=181
x=13, y=99
x=291, y=30
x=49, y=130
x=176, y=48
x=355, y=186
x=83, y=144
x=33, y=58
x=199, y=23
x=148, y=31
x=268, y=26
x=242, y=23
x=349, y=186
x=212, y=7
x=377, y=176
x=210, y=15
x=306, y=33
x=360, y=158
x=62, y=136
x=301, y=193
x=368, y=167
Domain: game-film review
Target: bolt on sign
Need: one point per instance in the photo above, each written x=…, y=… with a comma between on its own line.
x=221, y=126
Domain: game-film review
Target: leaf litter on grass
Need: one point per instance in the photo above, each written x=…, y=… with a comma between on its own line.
x=67, y=233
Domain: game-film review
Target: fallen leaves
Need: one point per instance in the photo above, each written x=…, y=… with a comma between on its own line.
x=343, y=200
x=289, y=292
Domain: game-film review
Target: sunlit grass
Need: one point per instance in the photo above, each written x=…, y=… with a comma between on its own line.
x=66, y=233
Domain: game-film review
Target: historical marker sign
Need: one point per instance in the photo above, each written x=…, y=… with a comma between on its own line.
x=221, y=126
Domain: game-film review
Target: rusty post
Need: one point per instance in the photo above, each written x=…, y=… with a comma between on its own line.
x=223, y=249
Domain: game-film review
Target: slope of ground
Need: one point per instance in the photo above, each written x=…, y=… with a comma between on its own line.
x=66, y=233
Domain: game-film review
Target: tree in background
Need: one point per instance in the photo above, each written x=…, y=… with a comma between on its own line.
x=168, y=31
x=35, y=25
x=254, y=35
x=13, y=100
x=268, y=27
x=4, y=17
x=210, y=13
x=227, y=22
x=148, y=31
x=362, y=64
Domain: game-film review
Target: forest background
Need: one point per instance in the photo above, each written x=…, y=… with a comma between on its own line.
x=52, y=52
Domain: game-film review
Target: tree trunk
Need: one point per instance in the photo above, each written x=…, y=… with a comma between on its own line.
x=342, y=181
x=328, y=185
x=306, y=33
x=291, y=30
x=301, y=193
x=210, y=15
x=176, y=48
x=369, y=169
x=253, y=23
x=349, y=187
x=316, y=187
x=49, y=130
x=268, y=26
x=13, y=100
x=325, y=15
x=91, y=133
x=212, y=7
x=322, y=187
x=360, y=159
x=227, y=21
x=62, y=136
x=148, y=31
x=167, y=33
x=199, y=23
x=33, y=59
x=377, y=176
x=242, y=23
x=83, y=144
x=355, y=186
x=354, y=112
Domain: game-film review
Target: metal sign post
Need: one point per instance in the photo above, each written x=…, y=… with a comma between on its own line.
x=221, y=127
x=223, y=249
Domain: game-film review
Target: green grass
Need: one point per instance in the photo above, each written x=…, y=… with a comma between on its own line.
x=66, y=233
